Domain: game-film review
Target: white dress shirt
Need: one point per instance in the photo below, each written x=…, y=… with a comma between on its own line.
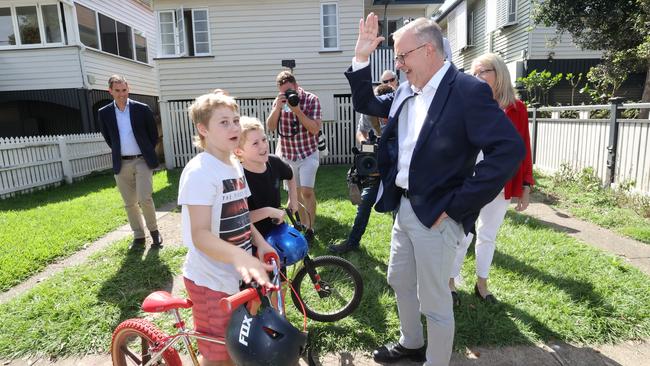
x=128, y=144
x=411, y=119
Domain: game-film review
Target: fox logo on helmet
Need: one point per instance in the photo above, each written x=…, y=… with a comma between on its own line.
x=244, y=330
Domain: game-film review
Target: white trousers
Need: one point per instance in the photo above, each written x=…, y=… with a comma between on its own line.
x=418, y=271
x=488, y=224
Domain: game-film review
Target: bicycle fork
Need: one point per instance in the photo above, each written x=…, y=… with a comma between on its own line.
x=321, y=287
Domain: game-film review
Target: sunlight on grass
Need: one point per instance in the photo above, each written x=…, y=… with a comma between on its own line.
x=41, y=227
x=551, y=287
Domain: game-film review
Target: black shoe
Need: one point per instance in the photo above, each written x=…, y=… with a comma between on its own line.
x=490, y=299
x=137, y=243
x=157, y=239
x=455, y=299
x=309, y=235
x=343, y=247
x=394, y=352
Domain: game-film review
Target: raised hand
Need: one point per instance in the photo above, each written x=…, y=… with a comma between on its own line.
x=368, y=39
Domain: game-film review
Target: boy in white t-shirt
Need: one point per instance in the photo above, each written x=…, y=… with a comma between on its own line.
x=215, y=222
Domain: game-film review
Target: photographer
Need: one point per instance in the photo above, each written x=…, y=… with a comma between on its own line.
x=369, y=128
x=296, y=115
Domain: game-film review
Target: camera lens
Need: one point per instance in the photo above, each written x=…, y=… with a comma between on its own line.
x=292, y=97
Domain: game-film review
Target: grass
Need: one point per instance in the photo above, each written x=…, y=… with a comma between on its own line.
x=41, y=227
x=551, y=287
x=581, y=194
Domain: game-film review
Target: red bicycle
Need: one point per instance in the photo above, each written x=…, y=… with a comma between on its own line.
x=139, y=342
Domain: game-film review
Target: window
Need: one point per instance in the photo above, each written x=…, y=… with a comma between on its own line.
x=329, y=26
x=31, y=25
x=387, y=29
x=140, y=47
x=87, y=26
x=512, y=11
x=102, y=32
x=184, y=32
x=7, y=35
x=471, y=27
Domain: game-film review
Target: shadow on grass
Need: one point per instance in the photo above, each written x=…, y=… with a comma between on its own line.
x=64, y=192
x=139, y=274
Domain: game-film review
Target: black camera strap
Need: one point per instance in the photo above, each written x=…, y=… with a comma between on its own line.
x=294, y=123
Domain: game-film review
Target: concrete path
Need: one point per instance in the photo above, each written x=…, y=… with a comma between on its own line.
x=553, y=354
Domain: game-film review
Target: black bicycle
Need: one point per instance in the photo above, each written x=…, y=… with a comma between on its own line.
x=330, y=287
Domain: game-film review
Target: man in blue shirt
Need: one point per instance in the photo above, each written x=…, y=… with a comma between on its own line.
x=129, y=129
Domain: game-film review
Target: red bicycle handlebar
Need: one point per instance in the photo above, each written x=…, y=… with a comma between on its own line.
x=231, y=302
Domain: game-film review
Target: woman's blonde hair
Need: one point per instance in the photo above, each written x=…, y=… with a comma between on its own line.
x=248, y=124
x=504, y=92
x=201, y=110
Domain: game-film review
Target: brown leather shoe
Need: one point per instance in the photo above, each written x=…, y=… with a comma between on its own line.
x=137, y=243
x=157, y=238
x=395, y=352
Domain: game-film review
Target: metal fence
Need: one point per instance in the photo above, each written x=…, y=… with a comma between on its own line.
x=596, y=136
x=27, y=163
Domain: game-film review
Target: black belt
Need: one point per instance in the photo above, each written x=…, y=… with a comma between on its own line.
x=403, y=192
x=130, y=157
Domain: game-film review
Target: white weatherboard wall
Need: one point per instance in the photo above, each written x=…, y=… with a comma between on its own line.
x=100, y=65
x=40, y=68
x=248, y=41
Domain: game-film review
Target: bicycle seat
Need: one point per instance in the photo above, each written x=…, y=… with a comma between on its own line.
x=160, y=301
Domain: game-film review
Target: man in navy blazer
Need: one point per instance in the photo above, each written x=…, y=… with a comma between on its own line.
x=437, y=123
x=129, y=129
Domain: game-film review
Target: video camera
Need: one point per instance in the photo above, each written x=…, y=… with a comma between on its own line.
x=365, y=159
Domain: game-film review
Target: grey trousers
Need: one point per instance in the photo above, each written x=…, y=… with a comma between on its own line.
x=420, y=264
x=135, y=183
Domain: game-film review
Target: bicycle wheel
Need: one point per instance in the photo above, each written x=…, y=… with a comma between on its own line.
x=331, y=292
x=133, y=340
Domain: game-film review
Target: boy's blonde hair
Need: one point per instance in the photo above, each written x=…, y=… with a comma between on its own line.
x=248, y=124
x=201, y=110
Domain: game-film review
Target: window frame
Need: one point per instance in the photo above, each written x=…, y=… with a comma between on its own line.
x=471, y=28
x=178, y=15
x=322, y=28
x=510, y=11
x=41, y=26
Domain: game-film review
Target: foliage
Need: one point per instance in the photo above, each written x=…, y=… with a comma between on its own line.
x=538, y=85
x=43, y=226
x=550, y=287
x=621, y=28
x=581, y=191
x=605, y=81
x=574, y=80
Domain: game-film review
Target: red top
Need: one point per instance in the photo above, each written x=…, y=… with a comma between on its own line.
x=518, y=115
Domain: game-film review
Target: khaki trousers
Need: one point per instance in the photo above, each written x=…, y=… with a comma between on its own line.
x=135, y=183
x=418, y=271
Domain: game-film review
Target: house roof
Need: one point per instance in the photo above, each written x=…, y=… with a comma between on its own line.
x=407, y=2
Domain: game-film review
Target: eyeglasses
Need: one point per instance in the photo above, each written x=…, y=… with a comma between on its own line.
x=400, y=58
x=388, y=80
x=482, y=72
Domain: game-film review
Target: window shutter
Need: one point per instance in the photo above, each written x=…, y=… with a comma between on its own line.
x=490, y=16
x=461, y=25
x=180, y=31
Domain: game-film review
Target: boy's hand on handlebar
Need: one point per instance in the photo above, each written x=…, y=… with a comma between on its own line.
x=252, y=269
x=276, y=215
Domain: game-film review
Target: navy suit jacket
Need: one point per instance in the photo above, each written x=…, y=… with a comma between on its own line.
x=144, y=130
x=443, y=177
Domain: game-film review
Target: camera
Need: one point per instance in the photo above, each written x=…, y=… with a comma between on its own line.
x=365, y=159
x=292, y=97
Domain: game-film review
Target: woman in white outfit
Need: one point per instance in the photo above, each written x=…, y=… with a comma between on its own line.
x=492, y=69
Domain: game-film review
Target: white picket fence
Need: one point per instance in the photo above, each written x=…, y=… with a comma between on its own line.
x=583, y=142
x=179, y=131
x=27, y=163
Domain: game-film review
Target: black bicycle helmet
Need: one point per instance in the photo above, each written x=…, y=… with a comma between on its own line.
x=264, y=339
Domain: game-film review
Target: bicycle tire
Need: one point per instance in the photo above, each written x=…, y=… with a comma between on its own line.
x=144, y=333
x=341, y=289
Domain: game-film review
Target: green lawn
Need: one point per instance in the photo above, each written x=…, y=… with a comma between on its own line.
x=551, y=287
x=588, y=201
x=41, y=227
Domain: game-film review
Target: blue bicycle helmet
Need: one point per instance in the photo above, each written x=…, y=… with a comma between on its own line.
x=289, y=243
x=264, y=339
